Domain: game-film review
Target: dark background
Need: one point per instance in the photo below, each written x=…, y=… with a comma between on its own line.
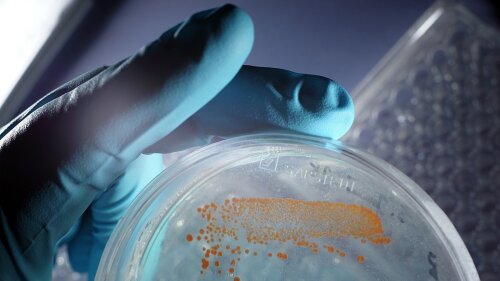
x=340, y=39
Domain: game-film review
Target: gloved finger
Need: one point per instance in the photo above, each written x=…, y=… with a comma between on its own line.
x=263, y=99
x=77, y=144
x=86, y=247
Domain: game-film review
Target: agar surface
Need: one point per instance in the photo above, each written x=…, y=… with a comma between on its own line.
x=265, y=221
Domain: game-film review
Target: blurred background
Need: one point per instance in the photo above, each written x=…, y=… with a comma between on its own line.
x=424, y=76
x=342, y=40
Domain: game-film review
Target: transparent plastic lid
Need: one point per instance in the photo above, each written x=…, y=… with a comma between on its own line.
x=284, y=207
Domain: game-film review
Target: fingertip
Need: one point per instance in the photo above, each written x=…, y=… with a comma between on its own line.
x=205, y=34
x=235, y=20
x=343, y=111
x=317, y=105
x=328, y=105
x=234, y=30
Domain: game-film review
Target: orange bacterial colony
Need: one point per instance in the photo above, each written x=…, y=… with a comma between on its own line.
x=263, y=221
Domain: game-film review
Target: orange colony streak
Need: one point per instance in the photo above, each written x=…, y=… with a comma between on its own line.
x=265, y=221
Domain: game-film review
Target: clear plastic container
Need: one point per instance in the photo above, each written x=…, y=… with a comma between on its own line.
x=284, y=207
x=431, y=108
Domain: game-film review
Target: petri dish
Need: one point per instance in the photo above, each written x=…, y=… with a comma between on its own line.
x=284, y=207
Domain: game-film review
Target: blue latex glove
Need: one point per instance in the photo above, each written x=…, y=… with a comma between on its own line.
x=71, y=164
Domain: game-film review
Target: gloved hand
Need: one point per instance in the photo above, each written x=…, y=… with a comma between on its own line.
x=71, y=164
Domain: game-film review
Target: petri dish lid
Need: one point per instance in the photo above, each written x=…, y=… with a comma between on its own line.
x=284, y=207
